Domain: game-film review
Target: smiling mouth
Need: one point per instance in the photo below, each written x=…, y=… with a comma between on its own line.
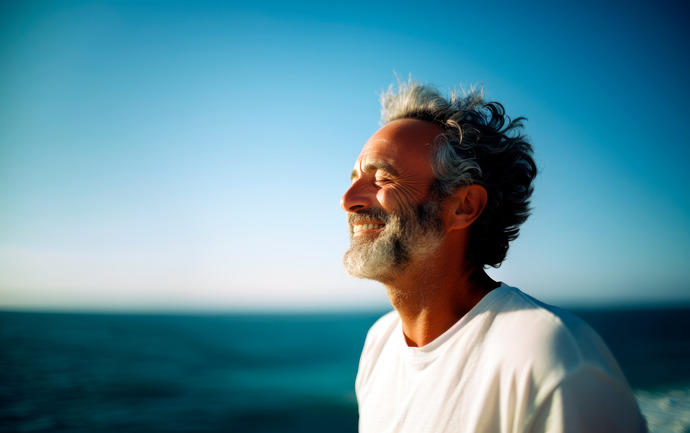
x=360, y=227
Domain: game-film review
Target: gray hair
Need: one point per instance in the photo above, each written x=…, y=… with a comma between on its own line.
x=480, y=145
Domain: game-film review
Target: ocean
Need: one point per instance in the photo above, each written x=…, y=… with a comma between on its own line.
x=107, y=373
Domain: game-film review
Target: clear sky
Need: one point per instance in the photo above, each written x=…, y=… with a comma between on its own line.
x=165, y=155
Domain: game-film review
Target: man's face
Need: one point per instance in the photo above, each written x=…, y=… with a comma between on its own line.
x=390, y=217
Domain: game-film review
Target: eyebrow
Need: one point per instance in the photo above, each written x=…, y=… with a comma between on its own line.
x=377, y=165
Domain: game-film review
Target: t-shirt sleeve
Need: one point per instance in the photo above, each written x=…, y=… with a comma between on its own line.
x=589, y=401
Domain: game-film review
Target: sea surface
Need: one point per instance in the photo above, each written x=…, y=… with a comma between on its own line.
x=258, y=373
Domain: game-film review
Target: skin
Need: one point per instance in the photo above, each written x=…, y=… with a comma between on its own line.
x=393, y=172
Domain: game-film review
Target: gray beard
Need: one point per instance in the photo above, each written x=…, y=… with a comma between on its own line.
x=407, y=235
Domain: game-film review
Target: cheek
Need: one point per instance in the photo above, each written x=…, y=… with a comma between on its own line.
x=392, y=199
x=384, y=199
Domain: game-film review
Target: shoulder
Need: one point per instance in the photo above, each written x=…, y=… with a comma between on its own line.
x=380, y=332
x=579, y=382
x=548, y=340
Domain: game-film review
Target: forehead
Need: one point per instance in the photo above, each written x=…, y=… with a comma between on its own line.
x=402, y=144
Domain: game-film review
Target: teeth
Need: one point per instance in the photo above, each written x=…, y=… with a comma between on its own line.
x=359, y=227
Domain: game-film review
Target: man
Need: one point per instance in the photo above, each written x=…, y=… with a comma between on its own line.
x=437, y=194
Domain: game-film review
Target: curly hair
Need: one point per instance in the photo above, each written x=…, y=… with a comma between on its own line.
x=481, y=145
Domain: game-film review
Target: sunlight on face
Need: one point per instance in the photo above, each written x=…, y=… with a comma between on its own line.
x=390, y=216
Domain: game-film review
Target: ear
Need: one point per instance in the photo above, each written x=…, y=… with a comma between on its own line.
x=465, y=206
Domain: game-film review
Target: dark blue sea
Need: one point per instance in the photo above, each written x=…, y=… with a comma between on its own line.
x=258, y=373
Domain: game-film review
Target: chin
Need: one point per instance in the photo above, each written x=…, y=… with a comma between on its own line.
x=371, y=266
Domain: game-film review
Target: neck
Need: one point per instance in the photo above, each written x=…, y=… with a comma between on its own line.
x=430, y=299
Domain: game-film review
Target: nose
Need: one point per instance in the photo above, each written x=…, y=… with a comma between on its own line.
x=356, y=198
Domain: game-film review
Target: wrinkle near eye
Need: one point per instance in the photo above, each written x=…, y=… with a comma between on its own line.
x=407, y=191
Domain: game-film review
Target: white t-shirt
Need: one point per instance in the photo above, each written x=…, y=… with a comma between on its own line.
x=511, y=364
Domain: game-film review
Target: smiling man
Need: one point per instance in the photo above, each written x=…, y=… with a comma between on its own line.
x=437, y=194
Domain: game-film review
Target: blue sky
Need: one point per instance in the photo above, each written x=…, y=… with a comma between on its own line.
x=191, y=155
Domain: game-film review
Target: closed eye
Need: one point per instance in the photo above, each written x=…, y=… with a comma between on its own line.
x=380, y=181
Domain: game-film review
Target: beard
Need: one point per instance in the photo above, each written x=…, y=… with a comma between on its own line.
x=408, y=234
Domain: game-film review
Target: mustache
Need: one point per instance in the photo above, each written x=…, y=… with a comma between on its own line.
x=426, y=215
x=366, y=216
